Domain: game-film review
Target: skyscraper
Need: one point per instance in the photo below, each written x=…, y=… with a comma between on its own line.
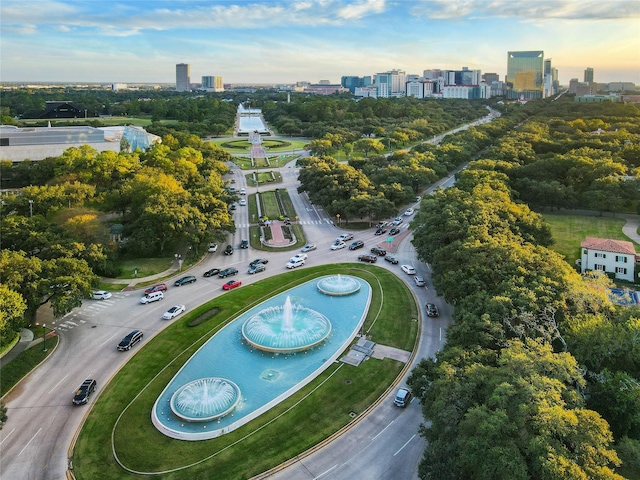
x=183, y=81
x=212, y=84
x=525, y=74
x=588, y=75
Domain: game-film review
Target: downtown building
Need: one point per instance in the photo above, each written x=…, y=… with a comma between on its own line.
x=212, y=84
x=525, y=75
x=183, y=79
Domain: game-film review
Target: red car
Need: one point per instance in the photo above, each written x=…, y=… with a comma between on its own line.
x=231, y=284
x=160, y=287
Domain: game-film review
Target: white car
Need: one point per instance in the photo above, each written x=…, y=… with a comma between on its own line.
x=344, y=237
x=298, y=256
x=295, y=263
x=242, y=202
x=213, y=247
x=243, y=191
x=173, y=312
x=101, y=295
x=309, y=247
x=408, y=269
x=338, y=245
x=408, y=212
x=397, y=221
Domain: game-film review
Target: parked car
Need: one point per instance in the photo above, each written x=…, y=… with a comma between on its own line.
x=213, y=247
x=356, y=245
x=391, y=259
x=173, y=312
x=159, y=287
x=244, y=244
x=419, y=281
x=101, y=295
x=257, y=268
x=408, y=269
x=228, y=250
x=295, y=263
x=184, y=280
x=381, y=231
x=394, y=231
x=368, y=258
x=152, y=297
x=298, y=256
x=84, y=391
x=309, y=247
x=231, y=284
x=242, y=202
x=344, y=237
x=258, y=261
x=338, y=245
x=379, y=251
x=227, y=272
x=408, y=212
x=432, y=310
x=403, y=397
x=212, y=272
x=130, y=340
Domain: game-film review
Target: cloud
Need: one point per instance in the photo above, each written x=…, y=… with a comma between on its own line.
x=534, y=10
x=362, y=9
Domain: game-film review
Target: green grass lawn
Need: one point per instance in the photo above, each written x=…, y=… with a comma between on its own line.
x=569, y=230
x=328, y=403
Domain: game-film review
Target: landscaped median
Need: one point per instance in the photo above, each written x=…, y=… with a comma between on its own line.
x=120, y=422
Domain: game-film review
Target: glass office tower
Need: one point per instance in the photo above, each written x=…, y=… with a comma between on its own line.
x=525, y=74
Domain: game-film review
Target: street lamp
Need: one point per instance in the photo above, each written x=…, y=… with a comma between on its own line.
x=44, y=337
x=30, y=208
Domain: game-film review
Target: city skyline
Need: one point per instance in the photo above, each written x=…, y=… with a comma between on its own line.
x=284, y=41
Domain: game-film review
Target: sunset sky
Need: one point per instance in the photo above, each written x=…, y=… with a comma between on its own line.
x=284, y=41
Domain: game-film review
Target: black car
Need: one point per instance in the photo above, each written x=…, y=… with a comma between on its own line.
x=228, y=271
x=392, y=259
x=357, y=244
x=259, y=261
x=380, y=231
x=130, y=340
x=379, y=251
x=84, y=391
x=394, y=231
x=244, y=244
x=212, y=272
x=184, y=280
x=368, y=258
x=432, y=310
x=228, y=250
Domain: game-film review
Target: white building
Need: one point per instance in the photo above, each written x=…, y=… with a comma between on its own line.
x=212, y=84
x=617, y=257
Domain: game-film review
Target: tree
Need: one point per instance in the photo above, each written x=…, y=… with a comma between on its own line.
x=12, y=309
x=366, y=145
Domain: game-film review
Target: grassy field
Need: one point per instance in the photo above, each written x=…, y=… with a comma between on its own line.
x=569, y=230
x=321, y=408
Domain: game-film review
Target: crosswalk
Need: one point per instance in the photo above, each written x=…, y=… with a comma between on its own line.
x=325, y=222
x=90, y=309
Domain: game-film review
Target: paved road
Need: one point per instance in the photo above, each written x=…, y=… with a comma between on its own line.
x=42, y=421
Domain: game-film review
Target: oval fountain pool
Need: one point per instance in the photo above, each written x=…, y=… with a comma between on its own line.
x=261, y=358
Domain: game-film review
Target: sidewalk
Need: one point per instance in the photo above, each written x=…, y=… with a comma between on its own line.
x=131, y=284
x=26, y=337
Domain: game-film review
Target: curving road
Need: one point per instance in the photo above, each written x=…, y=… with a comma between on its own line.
x=42, y=422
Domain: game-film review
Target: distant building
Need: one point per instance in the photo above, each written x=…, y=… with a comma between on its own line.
x=119, y=86
x=594, y=98
x=366, y=92
x=490, y=77
x=324, y=82
x=525, y=74
x=64, y=110
x=617, y=257
x=390, y=84
x=620, y=87
x=588, y=75
x=353, y=82
x=183, y=78
x=324, y=89
x=212, y=84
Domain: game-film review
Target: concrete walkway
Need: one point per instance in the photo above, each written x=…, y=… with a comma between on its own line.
x=630, y=229
x=26, y=337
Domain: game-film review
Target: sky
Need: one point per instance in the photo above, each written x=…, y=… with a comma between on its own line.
x=285, y=41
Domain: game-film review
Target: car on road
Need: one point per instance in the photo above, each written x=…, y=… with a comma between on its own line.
x=213, y=247
x=158, y=287
x=398, y=220
x=309, y=247
x=419, y=281
x=379, y=251
x=173, y=312
x=84, y=391
x=184, y=280
x=344, y=237
x=381, y=231
x=244, y=244
x=356, y=245
x=391, y=259
x=212, y=272
x=408, y=212
x=394, y=231
x=380, y=224
x=227, y=272
x=101, y=295
x=295, y=263
x=403, y=397
x=232, y=206
x=152, y=297
x=299, y=256
x=242, y=203
x=258, y=261
x=130, y=340
x=243, y=191
x=408, y=269
x=368, y=258
x=257, y=268
x=418, y=198
x=231, y=284
x=338, y=245
x=228, y=250
x=432, y=310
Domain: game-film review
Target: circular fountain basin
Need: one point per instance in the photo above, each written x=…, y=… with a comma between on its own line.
x=338, y=285
x=286, y=329
x=205, y=399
